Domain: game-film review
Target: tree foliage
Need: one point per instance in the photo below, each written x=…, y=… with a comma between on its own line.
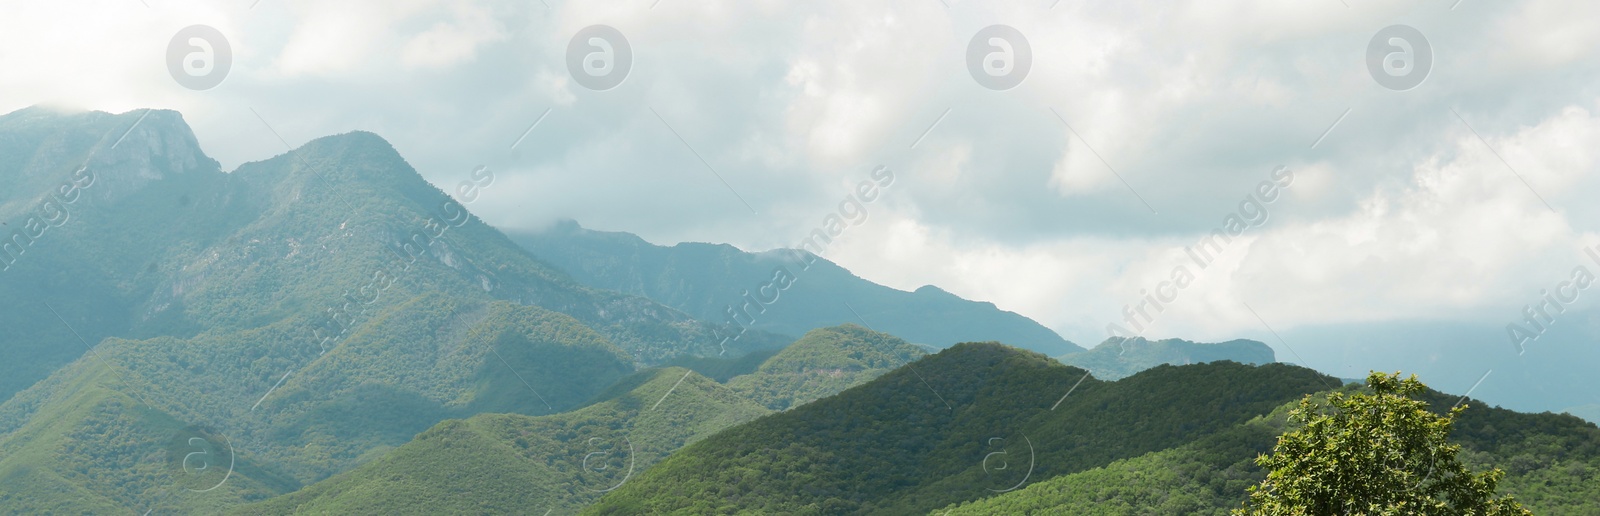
x=1378, y=453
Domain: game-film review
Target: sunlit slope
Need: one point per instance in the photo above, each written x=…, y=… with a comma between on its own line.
x=513, y=464
x=822, y=363
x=938, y=431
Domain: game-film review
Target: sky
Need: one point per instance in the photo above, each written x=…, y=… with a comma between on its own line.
x=1056, y=166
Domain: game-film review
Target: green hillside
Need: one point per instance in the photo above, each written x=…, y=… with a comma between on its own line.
x=373, y=393
x=1552, y=463
x=100, y=451
x=89, y=228
x=705, y=280
x=1207, y=477
x=507, y=464
x=822, y=363
x=894, y=446
x=1118, y=358
x=433, y=474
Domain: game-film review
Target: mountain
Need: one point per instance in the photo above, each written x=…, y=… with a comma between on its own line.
x=508, y=463
x=1550, y=460
x=94, y=206
x=711, y=283
x=318, y=308
x=822, y=363
x=326, y=331
x=1119, y=357
x=153, y=239
x=963, y=424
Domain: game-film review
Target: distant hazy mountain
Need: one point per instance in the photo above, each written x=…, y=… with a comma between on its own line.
x=710, y=281
x=1118, y=357
x=1555, y=373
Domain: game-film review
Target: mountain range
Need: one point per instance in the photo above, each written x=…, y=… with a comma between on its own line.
x=326, y=332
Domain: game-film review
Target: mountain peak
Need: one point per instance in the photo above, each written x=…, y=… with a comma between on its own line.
x=125, y=152
x=156, y=142
x=353, y=139
x=341, y=165
x=354, y=146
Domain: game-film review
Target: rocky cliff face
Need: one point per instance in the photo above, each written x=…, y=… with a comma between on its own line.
x=156, y=145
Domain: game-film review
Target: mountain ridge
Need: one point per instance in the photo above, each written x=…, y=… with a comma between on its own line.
x=710, y=282
x=315, y=317
x=946, y=417
x=1119, y=357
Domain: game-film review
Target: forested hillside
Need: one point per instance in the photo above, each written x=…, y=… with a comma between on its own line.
x=927, y=435
x=507, y=463
x=822, y=363
x=1552, y=464
x=540, y=460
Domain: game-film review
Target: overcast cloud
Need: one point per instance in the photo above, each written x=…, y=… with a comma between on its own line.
x=1401, y=212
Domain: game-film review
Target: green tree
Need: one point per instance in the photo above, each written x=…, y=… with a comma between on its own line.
x=1381, y=453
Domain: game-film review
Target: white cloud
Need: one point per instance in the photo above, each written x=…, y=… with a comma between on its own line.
x=1399, y=213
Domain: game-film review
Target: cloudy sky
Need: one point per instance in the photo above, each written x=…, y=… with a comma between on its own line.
x=1137, y=127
